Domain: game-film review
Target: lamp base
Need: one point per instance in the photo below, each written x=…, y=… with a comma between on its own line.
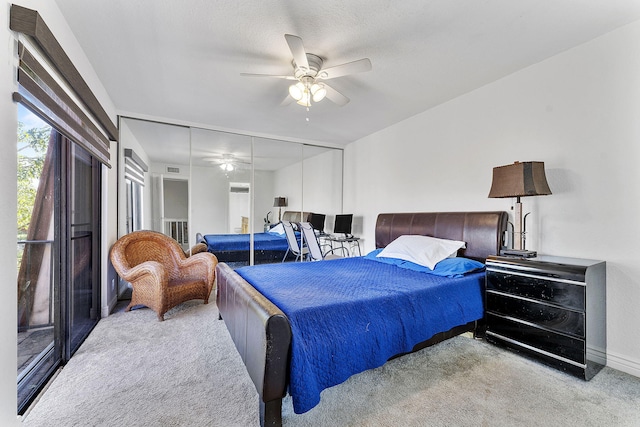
x=521, y=253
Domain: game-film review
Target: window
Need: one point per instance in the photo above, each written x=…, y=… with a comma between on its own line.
x=134, y=170
x=58, y=249
x=38, y=253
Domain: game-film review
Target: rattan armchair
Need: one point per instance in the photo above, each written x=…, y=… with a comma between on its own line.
x=161, y=275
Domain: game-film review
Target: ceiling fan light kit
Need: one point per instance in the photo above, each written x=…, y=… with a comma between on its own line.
x=306, y=90
x=307, y=70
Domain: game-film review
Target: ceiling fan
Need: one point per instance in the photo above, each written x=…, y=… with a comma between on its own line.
x=227, y=162
x=310, y=76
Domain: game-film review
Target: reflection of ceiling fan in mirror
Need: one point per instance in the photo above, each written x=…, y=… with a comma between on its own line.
x=227, y=162
x=308, y=71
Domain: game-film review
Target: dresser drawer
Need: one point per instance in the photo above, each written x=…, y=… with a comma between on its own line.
x=555, y=343
x=547, y=316
x=563, y=293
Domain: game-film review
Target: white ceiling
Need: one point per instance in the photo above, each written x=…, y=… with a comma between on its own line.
x=181, y=60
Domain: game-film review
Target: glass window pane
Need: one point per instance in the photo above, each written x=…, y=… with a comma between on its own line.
x=84, y=290
x=37, y=320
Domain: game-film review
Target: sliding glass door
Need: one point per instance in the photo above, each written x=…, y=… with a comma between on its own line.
x=57, y=251
x=82, y=237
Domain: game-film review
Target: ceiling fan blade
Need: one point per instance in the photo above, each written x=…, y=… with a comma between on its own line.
x=286, y=101
x=359, y=66
x=225, y=158
x=267, y=75
x=335, y=96
x=297, y=50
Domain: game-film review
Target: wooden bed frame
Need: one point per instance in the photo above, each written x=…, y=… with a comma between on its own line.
x=261, y=331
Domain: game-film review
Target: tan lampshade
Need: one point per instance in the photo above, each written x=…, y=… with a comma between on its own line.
x=279, y=202
x=519, y=179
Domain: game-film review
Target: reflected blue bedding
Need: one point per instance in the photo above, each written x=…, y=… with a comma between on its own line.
x=240, y=242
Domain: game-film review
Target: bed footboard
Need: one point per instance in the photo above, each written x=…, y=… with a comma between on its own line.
x=262, y=335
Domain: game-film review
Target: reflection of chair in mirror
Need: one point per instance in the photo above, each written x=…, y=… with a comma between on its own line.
x=200, y=246
x=159, y=272
x=294, y=246
x=311, y=240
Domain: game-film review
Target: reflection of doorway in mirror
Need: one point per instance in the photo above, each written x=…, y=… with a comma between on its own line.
x=238, y=207
x=176, y=210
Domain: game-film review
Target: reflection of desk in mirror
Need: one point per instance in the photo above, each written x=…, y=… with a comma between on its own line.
x=342, y=244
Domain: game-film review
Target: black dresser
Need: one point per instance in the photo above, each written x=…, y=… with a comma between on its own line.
x=551, y=308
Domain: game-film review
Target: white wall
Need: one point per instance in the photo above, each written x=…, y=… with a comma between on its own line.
x=314, y=184
x=322, y=185
x=263, y=194
x=8, y=127
x=8, y=208
x=288, y=183
x=109, y=234
x=210, y=202
x=579, y=112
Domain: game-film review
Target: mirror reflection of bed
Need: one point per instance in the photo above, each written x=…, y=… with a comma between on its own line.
x=269, y=246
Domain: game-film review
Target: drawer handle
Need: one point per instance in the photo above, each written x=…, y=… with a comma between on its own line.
x=537, y=350
x=533, y=276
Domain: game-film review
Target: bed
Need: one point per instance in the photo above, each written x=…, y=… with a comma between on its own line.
x=282, y=356
x=268, y=247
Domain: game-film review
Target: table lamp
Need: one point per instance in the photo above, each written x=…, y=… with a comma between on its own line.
x=279, y=202
x=521, y=179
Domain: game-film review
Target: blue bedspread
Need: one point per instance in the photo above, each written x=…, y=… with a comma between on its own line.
x=240, y=242
x=353, y=314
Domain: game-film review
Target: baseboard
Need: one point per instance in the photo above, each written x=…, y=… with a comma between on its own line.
x=623, y=363
x=597, y=355
x=106, y=310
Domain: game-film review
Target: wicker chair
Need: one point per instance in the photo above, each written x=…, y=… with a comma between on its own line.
x=161, y=275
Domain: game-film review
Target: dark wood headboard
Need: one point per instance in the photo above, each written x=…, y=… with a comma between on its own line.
x=483, y=232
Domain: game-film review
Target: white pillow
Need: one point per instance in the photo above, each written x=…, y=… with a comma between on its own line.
x=278, y=229
x=422, y=250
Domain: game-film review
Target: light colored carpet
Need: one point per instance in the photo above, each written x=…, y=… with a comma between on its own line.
x=185, y=371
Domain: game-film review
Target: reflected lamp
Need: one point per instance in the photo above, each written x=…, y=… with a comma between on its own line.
x=280, y=202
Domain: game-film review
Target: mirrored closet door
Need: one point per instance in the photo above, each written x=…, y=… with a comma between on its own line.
x=227, y=189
